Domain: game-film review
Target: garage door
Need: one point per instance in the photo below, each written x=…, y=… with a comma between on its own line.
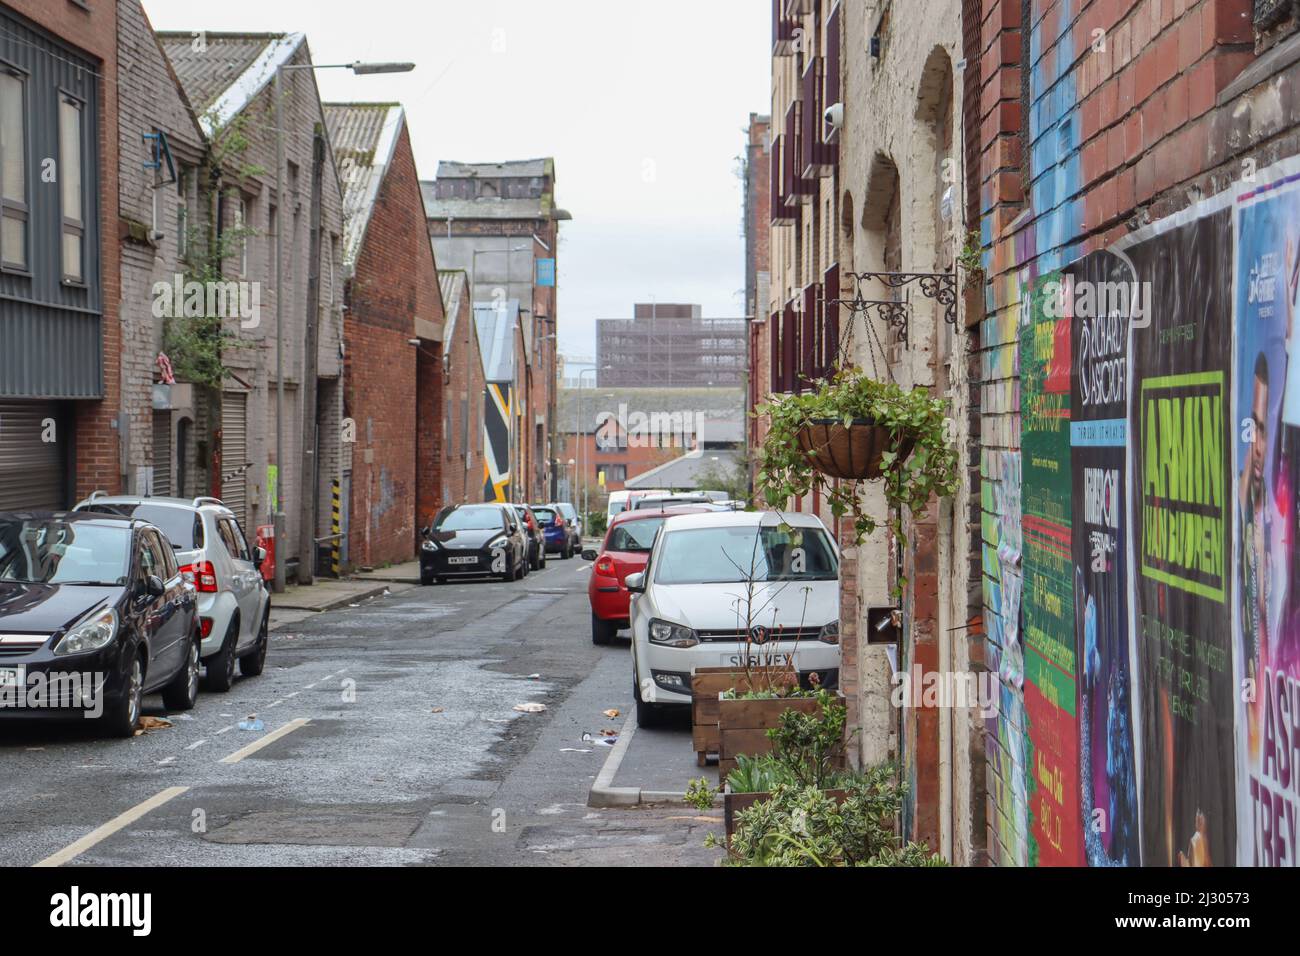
x=31, y=469
x=234, y=454
x=162, y=453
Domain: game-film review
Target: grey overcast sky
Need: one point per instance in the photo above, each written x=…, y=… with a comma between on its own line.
x=642, y=104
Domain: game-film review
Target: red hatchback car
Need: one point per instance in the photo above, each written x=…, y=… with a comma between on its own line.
x=625, y=551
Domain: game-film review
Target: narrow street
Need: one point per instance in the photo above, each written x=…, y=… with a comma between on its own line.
x=397, y=745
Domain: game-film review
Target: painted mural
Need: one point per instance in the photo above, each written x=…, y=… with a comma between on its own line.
x=496, y=435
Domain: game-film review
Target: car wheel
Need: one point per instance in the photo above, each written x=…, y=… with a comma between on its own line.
x=253, y=663
x=567, y=553
x=602, y=632
x=183, y=691
x=442, y=580
x=221, y=665
x=647, y=715
x=120, y=720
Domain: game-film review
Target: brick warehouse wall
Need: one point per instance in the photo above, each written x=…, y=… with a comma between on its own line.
x=93, y=30
x=1081, y=141
x=149, y=100
x=390, y=386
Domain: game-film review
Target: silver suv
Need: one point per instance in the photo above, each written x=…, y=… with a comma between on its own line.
x=234, y=602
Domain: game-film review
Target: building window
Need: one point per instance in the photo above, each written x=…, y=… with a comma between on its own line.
x=183, y=213
x=241, y=235
x=13, y=172
x=70, y=177
x=614, y=474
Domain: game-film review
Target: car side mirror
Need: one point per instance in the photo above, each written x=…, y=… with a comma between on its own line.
x=635, y=583
x=589, y=554
x=152, y=587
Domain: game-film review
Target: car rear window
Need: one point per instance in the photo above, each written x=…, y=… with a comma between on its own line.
x=634, y=535
x=544, y=515
x=182, y=527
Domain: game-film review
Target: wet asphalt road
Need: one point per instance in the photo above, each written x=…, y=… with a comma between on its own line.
x=390, y=739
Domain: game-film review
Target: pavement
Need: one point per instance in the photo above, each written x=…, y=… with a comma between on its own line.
x=382, y=732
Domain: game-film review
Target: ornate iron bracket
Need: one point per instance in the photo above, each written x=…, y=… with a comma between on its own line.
x=939, y=286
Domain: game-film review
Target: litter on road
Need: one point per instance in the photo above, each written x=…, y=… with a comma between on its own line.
x=148, y=724
x=252, y=723
x=532, y=707
x=611, y=713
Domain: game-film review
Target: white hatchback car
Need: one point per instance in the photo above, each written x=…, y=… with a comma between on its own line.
x=234, y=603
x=711, y=580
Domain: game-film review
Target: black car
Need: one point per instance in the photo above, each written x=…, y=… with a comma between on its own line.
x=94, y=614
x=536, y=538
x=474, y=540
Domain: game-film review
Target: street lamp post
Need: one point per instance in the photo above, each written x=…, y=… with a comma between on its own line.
x=361, y=69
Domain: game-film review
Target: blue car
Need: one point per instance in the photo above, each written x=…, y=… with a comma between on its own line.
x=560, y=534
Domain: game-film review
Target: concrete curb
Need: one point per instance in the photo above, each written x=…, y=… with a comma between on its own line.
x=278, y=601
x=605, y=794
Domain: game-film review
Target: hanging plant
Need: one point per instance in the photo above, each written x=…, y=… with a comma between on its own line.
x=856, y=428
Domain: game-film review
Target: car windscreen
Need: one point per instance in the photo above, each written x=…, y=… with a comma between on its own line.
x=35, y=551
x=471, y=519
x=634, y=535
x=738, y=554
x=182, y=527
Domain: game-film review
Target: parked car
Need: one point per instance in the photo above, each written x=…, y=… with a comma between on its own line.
x=474, y=540
x=616, y=505
x=560, y=537
x=624, y=551
x=216, y=557
x=713, y=579
x=660, y=502
x=536, y=539
x=575, y=522
x=97, y=607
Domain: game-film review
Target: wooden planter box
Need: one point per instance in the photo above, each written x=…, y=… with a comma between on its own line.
x=733, y=803
x=743, y=726
x=706, y=686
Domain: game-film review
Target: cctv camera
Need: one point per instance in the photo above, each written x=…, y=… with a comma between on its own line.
x=834, y=116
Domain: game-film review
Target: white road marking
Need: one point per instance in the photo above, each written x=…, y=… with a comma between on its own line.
x=166, y=760
x=98, y=836
x=224, y=730
x=293, y=695
x=276, y=704
x=310, y=687
x=266, y=741
x=197, y=744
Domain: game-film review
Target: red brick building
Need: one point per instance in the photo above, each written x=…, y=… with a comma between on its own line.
x=393, y=333
x=464, y=391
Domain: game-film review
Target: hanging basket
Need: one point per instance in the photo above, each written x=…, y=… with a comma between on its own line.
x=851, y=453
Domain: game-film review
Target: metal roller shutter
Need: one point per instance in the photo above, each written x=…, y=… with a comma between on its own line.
x=234, y=454
x=31, y=470
x=162, y=453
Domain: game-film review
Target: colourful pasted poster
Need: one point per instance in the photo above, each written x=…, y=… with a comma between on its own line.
x=1098, y=293
x=1048, y=596
x=1266, y=572
x=1180, y=500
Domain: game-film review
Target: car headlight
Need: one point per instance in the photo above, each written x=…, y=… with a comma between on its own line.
x=89, y=635
x=672, y=635
x=429, y=546
x=830, y=634
x=498, y=542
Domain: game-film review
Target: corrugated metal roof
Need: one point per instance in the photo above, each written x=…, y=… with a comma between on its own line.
x=222, y=72
x=364, y=136
x=722, y=409
x=496, y=339
x=683, y=474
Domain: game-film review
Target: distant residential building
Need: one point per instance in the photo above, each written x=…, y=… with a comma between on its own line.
x=669, y=345
x=498, y=222
x=393, y=336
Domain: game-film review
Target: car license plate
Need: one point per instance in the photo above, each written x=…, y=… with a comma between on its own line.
x=757, y=660
x=13, y=676
x=466, y=559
